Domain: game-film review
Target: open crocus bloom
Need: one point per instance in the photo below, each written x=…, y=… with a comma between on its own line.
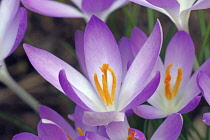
x=101, y=8
x=104, y=93
x=177, y=10
x=203, y=83
x=13, y=21
x=177, y=91
x=170, y=129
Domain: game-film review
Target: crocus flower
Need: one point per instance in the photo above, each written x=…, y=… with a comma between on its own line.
x=204, y=82
x=104, y=94
x=13, y=26
x=177, y=91
x=170, y=129
x=101, y=8
x=177, y=10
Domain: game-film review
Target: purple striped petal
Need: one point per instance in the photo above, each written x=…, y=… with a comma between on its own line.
x=94, y=136
x=200, y=4
x=191, y=105
x=206, y=118
x=141, y=67
x=95, y=6
x=138, y=38
x=164, y=3
x=25, y=136
x=52, y=8
x=149, y=112
x=101, y=48
x=102, y=118
x=170, y=129
x=49, y=114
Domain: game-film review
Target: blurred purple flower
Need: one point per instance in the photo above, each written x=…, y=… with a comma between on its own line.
x=101, y=8
x=13, y=26
x=177, y=91
x=204, y=83
x=104, y=93
x=177, y=10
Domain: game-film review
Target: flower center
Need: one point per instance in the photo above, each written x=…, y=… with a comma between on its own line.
x=171, y=93
x=131, y=135
x=103, y=90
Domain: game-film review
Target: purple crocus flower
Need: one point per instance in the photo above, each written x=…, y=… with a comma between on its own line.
x=101, y=8
x=169, y=129
x=13, y=26
x=203, y=83
x=177, y=10
x=104, y=94
x=177, y=91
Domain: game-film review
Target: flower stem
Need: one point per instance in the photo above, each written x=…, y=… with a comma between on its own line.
x=9, y=81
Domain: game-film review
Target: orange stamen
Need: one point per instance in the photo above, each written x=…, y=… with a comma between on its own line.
x=69, y=138
x=131, y=135
x=103, y=91
x=80, y=131
x=171, y=94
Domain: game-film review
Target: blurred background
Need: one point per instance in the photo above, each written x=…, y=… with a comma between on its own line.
x=56, y=35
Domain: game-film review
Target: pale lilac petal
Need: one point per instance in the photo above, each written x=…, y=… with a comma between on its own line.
x=79, y=46
x=191, y=105
x=102, y=118
x=102, y=131
x=82, y=138
x=138, y=38
x=118, y=130
x=25, y=136
x=49, y=66
x=164, y=3
x=94, y=136
x=206, y=118
x=95, y=6
x=170, y=129
x=180, y=52
x=142, y=66
x=75, y=95
x=50, y=132
x=145, y=94
x=203, y=81
x=149, y=112
x=200, y=4
x=21, y=29
x=52, y=8
x=49, y=114
x=126, y=54
x=101, y=48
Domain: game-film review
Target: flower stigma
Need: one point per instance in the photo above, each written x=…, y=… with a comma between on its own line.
x=81, y=133
x=131, y=135
x=103, y=90
x=171, y=94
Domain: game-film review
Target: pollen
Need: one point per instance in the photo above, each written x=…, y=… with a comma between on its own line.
x=172, y=93
x=103, y=90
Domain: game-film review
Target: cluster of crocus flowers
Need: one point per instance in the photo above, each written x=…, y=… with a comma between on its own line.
x=177, y=10
x=103, y=92
x=51, y=8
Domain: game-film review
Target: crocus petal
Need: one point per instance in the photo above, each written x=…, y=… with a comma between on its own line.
x=149, y=112
x=138, y=38
x=51, y=132
x=145, y=94
x=52, y=8
x=95, y=6
x=79, y=98
x=102, y=118
x=164, y=3
x=49, y=66
x=200, y=4
x=101, y=48
x=79, y=46
x=49, y=114
x=25, y=136
x=78, y=3
x=180, y=52
x=206, y=118
x=170, y=129
x=126, y=54
x=204, y=83
x=142, y=66
x=94, y=136
x=191, y=105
